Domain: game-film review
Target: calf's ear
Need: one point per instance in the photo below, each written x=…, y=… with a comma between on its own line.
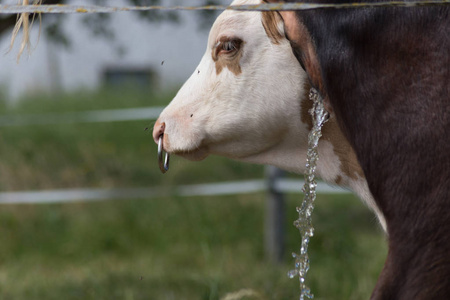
x=303, y=46
x=273, y=25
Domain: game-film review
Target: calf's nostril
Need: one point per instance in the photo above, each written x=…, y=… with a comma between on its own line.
x=158, y=130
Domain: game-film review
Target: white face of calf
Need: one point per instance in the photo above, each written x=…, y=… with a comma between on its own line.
x=243, y=100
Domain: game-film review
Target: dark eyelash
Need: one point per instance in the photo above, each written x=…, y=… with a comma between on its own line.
x=229, y=46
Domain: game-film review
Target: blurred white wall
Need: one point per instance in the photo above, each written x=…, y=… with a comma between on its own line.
x=180, y=46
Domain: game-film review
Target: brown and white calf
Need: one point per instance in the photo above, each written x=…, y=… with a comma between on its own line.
x=248, y=100
x=386, y=73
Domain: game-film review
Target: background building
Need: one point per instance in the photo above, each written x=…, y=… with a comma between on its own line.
x=171, y=50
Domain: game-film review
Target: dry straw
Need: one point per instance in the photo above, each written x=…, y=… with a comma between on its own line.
x=242, y=294
x=23, y=22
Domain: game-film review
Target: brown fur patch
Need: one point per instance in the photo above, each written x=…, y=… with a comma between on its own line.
x=231, y=59
x=270, y=21
x=332, y=133
x=303, y=47
x=341, y=147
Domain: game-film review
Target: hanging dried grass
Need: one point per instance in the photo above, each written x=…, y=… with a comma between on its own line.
x=23, y=21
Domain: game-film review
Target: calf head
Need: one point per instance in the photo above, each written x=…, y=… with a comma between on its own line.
x=243, y=101
x=248, y=100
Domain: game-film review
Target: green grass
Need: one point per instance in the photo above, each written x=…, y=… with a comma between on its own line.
x=168, y=248
x=173, y=248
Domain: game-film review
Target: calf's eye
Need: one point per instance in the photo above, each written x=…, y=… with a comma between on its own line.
x=227, y=45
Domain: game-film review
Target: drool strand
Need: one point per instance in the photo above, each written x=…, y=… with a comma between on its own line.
x=304, y=221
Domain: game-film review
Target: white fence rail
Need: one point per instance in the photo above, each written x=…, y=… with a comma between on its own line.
x=94, y=116
x=212, y=189
x=275, y=185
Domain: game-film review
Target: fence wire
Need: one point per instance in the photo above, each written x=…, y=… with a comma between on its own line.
x=71, y=9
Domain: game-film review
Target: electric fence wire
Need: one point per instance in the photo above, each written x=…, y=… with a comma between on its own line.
x=70, y=9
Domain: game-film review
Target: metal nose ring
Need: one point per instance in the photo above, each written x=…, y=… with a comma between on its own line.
x=163, y=165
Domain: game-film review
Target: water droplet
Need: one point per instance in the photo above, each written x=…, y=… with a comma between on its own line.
x=291, y=274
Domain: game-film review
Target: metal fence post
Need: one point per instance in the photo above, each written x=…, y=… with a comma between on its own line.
x=275, y=216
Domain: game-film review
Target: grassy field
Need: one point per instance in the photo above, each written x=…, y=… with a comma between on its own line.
x=169, y=248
